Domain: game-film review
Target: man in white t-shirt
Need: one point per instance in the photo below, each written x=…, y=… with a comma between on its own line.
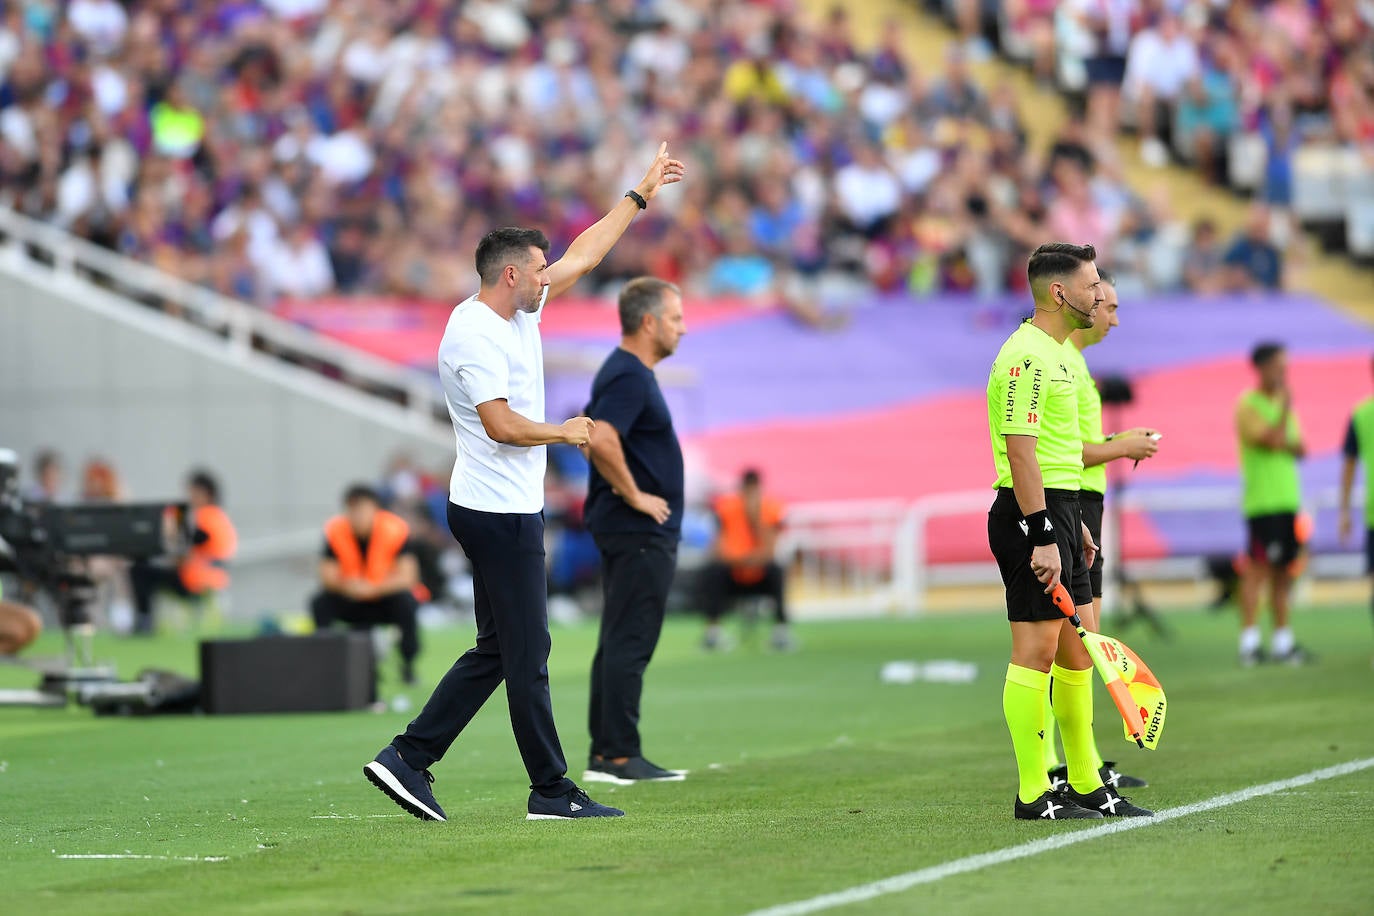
x=491, y=364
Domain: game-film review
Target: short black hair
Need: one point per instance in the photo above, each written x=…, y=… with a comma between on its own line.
x=1264, y=353
x=1054, y=260
x=45, y=460
x=750, y=478
x=510, y=245
x=202, y=479
x=641, y=296
x=1108, y=277
x=361, y=492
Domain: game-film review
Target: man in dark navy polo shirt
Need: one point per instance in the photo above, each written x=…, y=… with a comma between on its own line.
x=634, y=511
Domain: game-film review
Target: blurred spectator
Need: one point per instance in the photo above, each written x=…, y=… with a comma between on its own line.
x=1203, y=269
x=48, y=479
x=304, y=148
x=1160, y=63
x=1207, y=115
x=1253, y=261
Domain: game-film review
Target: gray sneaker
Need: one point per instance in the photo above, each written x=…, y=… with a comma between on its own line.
x=636, y=769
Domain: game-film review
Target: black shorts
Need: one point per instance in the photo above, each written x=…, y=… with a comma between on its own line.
x=1369, y=551
x=1091, y=504
x=1026, y=598
x=1108, y=70
x=1274, y=538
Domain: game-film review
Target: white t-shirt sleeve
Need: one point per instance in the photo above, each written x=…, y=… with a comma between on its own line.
x=482, y=368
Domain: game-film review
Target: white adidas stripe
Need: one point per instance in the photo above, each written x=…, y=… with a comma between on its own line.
x=899, y=883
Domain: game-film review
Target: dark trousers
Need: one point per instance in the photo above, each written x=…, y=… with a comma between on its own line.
x=506, y=551
x=636, y=572
x=398, y=610
x=146, y=580
x=719, y=588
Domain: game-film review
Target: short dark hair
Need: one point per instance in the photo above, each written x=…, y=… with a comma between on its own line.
x=1108, y=277
x=750, y=478
x=203, y=480
x=361, y=492
x=45, y=460
x=1057, y=259
x=500, y=247
x=1264, y=353
x=641, y=296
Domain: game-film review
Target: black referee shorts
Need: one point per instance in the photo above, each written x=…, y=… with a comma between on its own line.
x=1274, y=538
x=1026, y=598
x=1092, y=505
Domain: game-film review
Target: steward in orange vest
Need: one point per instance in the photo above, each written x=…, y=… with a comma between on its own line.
x=744, y=561
x=203, y=569
x=369, y=574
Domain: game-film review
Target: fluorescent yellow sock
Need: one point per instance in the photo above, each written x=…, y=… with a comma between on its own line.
x=1023, y=703
x=1073, y=708
x=1052, y=758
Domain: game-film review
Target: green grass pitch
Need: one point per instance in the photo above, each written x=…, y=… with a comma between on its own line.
x=808, y=776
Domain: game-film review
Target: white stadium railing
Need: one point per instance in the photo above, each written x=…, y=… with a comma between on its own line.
x=873, y=557
x=246, y=329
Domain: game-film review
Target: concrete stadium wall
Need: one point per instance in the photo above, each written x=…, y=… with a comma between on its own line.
x=89, y=373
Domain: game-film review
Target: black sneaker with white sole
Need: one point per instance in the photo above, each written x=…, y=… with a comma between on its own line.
x=403, y=784
x=633, y=770
x=1053, y=806
x=573, y=804
x=1111, y=776
x=1108, y=802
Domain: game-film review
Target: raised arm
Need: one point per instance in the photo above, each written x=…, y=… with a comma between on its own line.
x=587, y=250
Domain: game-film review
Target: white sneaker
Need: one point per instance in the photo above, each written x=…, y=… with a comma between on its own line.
x=1154, y=153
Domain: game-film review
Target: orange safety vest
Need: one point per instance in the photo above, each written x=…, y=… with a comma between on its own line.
x=738, y=538
x=389, y=535
x=203, y=568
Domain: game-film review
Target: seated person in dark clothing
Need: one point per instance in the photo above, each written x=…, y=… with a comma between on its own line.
x=369, y=573
x=743, y=561
x=1253, y=261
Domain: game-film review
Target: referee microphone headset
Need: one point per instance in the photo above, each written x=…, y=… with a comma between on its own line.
x=1059, y=294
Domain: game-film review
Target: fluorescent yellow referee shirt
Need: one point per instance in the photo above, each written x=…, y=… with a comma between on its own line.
x=1031, y=393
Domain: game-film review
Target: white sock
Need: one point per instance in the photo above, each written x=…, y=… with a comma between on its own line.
x=1250, y=639
x=1282, y=641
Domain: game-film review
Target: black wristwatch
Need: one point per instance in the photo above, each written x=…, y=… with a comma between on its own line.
x=637, y=198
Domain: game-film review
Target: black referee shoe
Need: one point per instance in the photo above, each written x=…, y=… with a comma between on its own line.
x=636, y=769
x=1053, y=806
x=1111, y=776
x=1108, y=802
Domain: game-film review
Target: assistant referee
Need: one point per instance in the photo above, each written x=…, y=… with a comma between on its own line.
x=1099, y=449
x=492, y=369
x=1036, y=534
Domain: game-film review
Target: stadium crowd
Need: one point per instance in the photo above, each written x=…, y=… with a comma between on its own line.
x=302, y=148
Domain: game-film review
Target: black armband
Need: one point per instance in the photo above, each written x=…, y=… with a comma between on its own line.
x=1040, y=529
x=638, y=199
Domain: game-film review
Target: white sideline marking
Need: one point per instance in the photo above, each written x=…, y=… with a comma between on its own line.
x=103, y=855
x=898, y=883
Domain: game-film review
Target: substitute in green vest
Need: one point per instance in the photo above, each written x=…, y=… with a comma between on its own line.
x=1270, y=446
x=1359, y=449
x=1036, y=534
x=1098, y=450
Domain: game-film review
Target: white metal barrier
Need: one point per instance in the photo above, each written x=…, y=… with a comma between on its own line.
x=245, y=328
x=873, y=556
